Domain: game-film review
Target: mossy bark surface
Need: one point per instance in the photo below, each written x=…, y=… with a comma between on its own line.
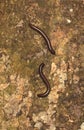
x=22, y=50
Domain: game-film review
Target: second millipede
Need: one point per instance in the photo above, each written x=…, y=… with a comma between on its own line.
x=48, y=89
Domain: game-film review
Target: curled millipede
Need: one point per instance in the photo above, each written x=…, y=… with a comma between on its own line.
x=48, y=89
x=48, y=43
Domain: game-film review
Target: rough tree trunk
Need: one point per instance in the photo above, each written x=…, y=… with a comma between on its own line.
x=22, y=50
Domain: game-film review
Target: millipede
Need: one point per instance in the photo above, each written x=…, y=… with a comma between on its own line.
x=48, y=43
x=45, y=81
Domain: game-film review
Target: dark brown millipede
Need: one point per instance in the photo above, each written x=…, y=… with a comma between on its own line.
x=48, y=89
x=48, y=43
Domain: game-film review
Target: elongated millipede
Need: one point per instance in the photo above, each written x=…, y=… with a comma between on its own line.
x=48, y=89
x=48, y=43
